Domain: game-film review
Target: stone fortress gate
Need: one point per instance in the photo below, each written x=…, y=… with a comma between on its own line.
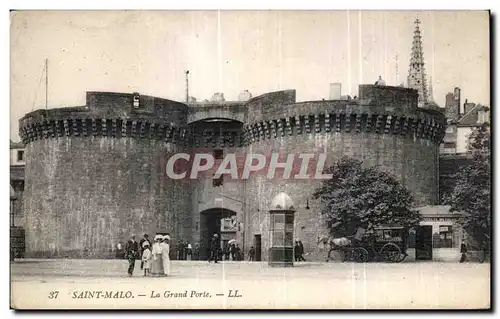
x=96, y=173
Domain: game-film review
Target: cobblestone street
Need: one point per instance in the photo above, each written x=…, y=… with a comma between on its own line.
x=307, y=285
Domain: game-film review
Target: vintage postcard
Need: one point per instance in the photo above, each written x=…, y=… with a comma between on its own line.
x=250, y=160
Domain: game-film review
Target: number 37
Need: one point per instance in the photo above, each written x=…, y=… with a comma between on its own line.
x=53, y=294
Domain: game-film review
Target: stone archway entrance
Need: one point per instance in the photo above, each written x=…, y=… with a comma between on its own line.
x=216, y=220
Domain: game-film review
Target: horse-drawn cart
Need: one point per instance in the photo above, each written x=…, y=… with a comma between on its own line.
x=383, y=243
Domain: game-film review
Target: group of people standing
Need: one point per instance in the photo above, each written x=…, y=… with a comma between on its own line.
x=155, y=258
x=185, y=250
x=232, y=252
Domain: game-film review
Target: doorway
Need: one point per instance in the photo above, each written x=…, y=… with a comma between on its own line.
x=423, y=249
x=258, y=247
x=218, y=221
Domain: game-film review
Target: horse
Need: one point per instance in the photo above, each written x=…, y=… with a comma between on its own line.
x=333, y=244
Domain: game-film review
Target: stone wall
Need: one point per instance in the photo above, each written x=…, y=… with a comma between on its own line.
x=84, y=195
x=414, y=162
x=382, y=128
x=96, y=173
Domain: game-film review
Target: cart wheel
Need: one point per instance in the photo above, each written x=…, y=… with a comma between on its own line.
x=371, y=254
x=391, y=253
x=360, y=255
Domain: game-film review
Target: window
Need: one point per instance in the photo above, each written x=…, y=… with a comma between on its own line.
x=279, y=222
x=449, y=145
x=278, y=239
x=218, y=154
x=136, y=100
x=289, y=239
x=20, y=155
x=216, y=182
x=445, y=236
x=449, y=129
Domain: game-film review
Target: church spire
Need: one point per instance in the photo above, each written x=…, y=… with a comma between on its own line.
x=430, y=97
x=416, y=74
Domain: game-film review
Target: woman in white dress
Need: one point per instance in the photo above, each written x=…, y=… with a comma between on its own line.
x=157, y=261
x=165, y=255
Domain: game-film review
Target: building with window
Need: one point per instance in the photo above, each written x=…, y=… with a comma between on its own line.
x=461, y=122
x=454, y=150
x=447, y=234
x=17, y=167
x=454, y=154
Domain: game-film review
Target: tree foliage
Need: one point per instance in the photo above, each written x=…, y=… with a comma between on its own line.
x=471, y=194
x=357, y=195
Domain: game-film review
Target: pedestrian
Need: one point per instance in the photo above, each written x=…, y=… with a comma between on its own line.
x=238, y=252
x=165, y=255
x=189, y=252
x=157, y=262
x=141, y=246
x=226, y=252
x=214, y=248
x=196, y=252
x=131, y=252
x=146, y=258
x=463, y=251
x=251, y=253
x=220, y=254
x=486, y=248
x=180, y=250
x=301, y=250
x=233, y=252
x=296, y=251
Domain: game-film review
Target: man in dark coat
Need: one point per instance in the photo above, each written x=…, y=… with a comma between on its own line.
x=214, y=248
x=238, y=253
x=463, y=251
x=131, y=252
x=486, y=249
x=141, y=249
x=233, y=252
x=226, y=252
x=301, y=251
x=180, y=250
x=251, y=254
x=296, y=250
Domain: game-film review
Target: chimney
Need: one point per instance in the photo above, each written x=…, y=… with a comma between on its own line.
x=335, y=91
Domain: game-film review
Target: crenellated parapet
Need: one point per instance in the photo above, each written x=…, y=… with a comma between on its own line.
x=112, y=128
x=112, y=115
x=420, y=125
x=378, y=110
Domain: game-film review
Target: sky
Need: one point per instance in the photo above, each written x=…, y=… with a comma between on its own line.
x=232, y=51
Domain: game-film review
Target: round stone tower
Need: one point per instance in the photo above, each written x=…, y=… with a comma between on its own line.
x=95, y=174
x=383, y=127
